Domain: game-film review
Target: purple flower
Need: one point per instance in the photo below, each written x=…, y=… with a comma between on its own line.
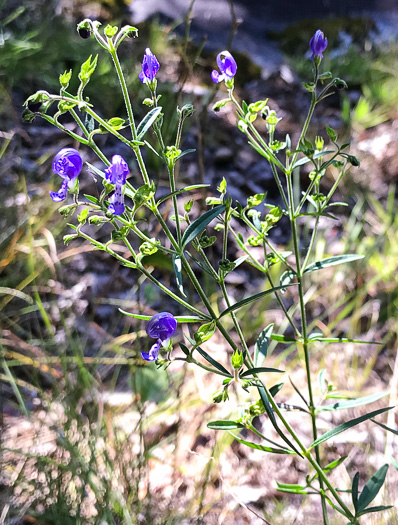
x=116, y=174
x=227, y=66
x=318, y=44
x=67, y=164
x=153, y=353
x=150, y=66
x=161, y=326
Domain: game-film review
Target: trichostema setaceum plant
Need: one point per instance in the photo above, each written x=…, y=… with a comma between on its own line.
x=186, y=239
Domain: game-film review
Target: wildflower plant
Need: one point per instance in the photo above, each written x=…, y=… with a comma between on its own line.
x=123, y=195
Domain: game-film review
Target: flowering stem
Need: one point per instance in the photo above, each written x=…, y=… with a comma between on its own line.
x=126, y=97
x=305, y=335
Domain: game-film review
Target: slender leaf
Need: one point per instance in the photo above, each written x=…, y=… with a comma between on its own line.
x=385, y=427
x=341, y=340
x=271, y=416
x=184, y=348
x=351, y=403
x=262, y=447
x=261, y=346
x=374, y=509
x=213, y=362
x=354, y=491
x=250, y=299
x=199, y=263
x=184, y=153
x=260, y=370
x=280, y=338
x=334, y=464
x=177, y=265
x=345, y=426
x=372, y=487
x=304, y=160
x=224, y=425
x=153, y=150
x=200, y=224
x=332, y=261
x=180, y=318
x=394, y=462
x=147, y=122
x=291, y=488
x=177, y=192
x=275, y=389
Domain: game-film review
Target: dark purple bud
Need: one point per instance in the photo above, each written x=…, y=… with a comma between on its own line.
x=61, y=194
x=318, y=44
x=162, y=326
x=153, y=353
x=116, y=205
x=84, y=33
x=227, y=66
x=117, y=172
x=67, y=163
x=150, y=66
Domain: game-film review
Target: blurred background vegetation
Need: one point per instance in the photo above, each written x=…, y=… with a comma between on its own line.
x=90, y=433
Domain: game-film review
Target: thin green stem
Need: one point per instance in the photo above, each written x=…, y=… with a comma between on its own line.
x=305, y=335
x=126, y=97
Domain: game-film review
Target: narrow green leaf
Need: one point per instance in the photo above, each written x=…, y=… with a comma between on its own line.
x=271, y=416
x=147, y=122
x=341, y=340
x=261, y=346
x=250, y=299
x=179, y=318
x=354, y=491
x=275, y=389
x=351, y=403
x=184, y=348
x=260, y=370
x=262, y=447
x=198, y=263
x=177, y=192
x=224, y=425
x=385, y=427
x=345, y=426
x=394, y=462
x=177, y=265
x=213, y=362
x=291, y=488
x=334, y=464
x=303, y=161
x=372, y=487
x=94, y=200
x=200, y=224
x=280, y=338
x=332, y=261
x=184, y=153
x=374, y=509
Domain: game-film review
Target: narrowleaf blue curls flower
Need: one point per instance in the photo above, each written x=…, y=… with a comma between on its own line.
x=150, y=66
x=318, y=44
x=227, y=66
x=161, y=326
x=67, y=164
x=116, y=174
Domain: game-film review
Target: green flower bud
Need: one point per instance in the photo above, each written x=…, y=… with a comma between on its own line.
x=237, y=359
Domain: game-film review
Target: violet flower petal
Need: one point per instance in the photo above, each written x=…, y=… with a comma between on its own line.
x=153, y=353
x=162, y=326
x=61, y=194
